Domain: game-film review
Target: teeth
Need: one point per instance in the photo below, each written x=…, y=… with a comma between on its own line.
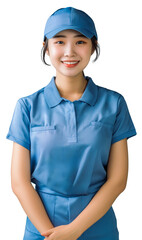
x=70, y=62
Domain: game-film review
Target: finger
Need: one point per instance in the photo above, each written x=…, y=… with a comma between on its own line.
x=46, y=233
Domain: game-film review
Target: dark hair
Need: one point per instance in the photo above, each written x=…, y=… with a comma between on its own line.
x=95, y=45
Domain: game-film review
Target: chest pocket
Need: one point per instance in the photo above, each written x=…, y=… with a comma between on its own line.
x=44, y=137
x=43, y=128
x=97, y=124
x=100, y=134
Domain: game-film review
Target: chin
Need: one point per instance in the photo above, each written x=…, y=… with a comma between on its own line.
x=71, y=73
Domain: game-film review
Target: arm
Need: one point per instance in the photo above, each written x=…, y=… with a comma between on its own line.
x=117, y=172
x=25, y=192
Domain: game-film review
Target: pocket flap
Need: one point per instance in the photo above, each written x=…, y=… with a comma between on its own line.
x=43, y=128
x=100, y=124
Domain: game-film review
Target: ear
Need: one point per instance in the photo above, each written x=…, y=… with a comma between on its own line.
x=47, y=50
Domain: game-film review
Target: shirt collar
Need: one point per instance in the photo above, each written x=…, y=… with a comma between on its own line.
x=53, y=97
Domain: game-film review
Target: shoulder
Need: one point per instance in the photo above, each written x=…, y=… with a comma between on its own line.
x=109, y=95
x=108, y=92
x=31, y=99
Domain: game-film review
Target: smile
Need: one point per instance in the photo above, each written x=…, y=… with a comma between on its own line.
x=70, y=64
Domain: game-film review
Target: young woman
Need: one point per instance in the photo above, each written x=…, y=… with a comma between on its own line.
x=70, y=140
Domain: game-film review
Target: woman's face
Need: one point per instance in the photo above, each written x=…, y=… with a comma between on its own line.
x=69, y=52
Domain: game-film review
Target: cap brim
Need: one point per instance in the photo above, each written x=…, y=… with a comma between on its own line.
x=85, y=32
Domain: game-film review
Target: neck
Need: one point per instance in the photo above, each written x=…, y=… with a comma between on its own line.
x=70, y=86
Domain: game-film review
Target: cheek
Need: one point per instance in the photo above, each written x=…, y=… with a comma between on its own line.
x=55, y=57
x=87, y=54
x=56, y=52
x=89, y=50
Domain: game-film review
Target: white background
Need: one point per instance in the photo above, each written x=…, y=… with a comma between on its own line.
x=118, y=24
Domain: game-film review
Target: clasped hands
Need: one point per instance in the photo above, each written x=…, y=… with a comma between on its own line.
x=63, y=232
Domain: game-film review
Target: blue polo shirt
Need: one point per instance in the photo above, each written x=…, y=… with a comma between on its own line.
x=69, y=142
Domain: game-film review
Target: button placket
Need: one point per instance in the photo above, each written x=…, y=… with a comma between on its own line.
x=71, y=122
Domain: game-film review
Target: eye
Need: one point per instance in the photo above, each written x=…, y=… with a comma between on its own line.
x=59, y=42
x=80, y=42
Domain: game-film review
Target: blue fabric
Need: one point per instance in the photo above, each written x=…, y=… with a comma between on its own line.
x=63, y=210
x=70, y=18
x=69, y=145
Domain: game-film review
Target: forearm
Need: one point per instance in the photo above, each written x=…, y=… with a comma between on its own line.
x=33, y=206
x=97, y=207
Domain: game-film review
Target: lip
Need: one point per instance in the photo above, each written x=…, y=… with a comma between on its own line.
x=70, y=63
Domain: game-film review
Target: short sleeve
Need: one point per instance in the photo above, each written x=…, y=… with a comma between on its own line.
x=123, y=126
x=20, y=124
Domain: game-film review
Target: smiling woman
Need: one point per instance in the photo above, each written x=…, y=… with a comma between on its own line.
x=95, y=46
x=70, y=140
x=68, y=50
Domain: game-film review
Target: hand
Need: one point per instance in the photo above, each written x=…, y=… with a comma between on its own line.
x=63, y=232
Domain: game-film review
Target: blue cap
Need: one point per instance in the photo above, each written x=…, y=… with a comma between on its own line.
x=70, y=18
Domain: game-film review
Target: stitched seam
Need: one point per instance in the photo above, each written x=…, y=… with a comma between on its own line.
x=9, y=135
x=133, y=130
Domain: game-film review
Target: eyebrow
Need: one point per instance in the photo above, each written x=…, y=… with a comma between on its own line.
x=63, y=36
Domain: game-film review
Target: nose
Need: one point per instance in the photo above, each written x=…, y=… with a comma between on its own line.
x=69, y=50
